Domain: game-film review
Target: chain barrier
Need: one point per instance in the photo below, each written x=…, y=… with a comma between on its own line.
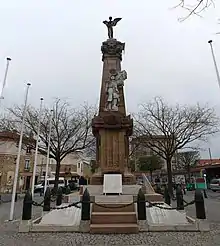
x=74, y=204
x=53, y=200
x=121, y=206
x=41, y=203
x=150, y=204
x=36, y=204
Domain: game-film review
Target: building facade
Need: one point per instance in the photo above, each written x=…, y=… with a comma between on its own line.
x=8, y=156
x=139, y=147
x=73, y=165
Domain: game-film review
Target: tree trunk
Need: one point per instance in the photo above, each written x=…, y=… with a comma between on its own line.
x=169, y=175
x=57, y=175
x=188, y=172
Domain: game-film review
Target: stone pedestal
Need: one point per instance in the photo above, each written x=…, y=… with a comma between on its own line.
x=112, y=130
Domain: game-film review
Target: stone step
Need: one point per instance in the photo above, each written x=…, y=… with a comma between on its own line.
x=126, y=189
x=114, y=199
x=114, y=228
x=112, y=207
x=113, y=217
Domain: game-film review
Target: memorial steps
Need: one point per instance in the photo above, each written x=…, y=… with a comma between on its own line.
x=113, y=215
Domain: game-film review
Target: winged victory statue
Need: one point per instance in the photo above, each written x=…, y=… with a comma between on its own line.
x=110, y=25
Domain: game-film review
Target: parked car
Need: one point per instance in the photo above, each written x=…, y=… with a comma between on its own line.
x=215, y=185
x=73, y=184
x=50, y=183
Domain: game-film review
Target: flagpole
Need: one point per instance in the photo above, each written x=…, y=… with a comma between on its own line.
x=5, y=77
x=18, y=156
x=48, y=151
x=215, y=63
x=36, y=150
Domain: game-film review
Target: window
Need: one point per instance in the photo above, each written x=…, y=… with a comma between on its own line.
x=27, y=165
x=28, y=150
x=79, y=165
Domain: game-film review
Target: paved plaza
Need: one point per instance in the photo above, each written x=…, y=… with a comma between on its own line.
x=9, y=231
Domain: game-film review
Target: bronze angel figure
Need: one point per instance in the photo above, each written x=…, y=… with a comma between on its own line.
x=110, y=25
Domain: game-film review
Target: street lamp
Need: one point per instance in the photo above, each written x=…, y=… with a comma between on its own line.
x=214, y=60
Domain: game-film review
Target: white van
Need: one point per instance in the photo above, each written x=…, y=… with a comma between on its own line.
x=50, y=183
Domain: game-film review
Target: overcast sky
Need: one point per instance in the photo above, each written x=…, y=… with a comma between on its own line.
x=55, y=45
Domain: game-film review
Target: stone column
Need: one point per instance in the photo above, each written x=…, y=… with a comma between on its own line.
x=111, y=128
x=111, y=57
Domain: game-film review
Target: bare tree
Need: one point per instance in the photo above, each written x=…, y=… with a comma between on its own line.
x=194, y=7
x=186, y=160
x=150, y=163
x=165, y=129
x=71, y=129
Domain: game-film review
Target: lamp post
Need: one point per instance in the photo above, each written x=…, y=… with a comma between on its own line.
x=36, y=150
x=18, y=156
x=215, y=63
x=48, y=151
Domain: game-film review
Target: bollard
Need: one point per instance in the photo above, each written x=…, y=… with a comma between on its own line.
x=85, y=211
x=200, y=205
x=167, y=196
x=179, y=198
x=141, y=205
x=27, y=206
x=205, y=194
x=59, y=196
x=47, y=197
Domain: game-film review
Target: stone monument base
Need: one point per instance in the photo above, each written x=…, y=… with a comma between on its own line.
x=127, y=179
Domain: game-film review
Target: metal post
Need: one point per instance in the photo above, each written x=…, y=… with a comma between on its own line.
x=215, y=63
x=5, y=77
x=47, y=197
x=85, y=210
x=59, y=196
x=36, y=150
x=18, y=157
x=167, y=196
x=27, y=206
x=200, y=205
x=48, y=151
x=141, y=205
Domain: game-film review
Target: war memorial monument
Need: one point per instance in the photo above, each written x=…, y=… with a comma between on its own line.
x=112, y=206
